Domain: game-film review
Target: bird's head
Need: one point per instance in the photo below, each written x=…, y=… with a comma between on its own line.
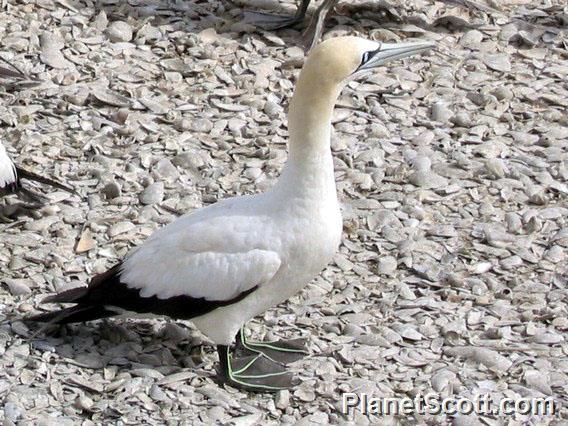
x=340, y=59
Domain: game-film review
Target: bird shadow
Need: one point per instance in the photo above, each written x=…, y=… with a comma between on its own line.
x=123, y=346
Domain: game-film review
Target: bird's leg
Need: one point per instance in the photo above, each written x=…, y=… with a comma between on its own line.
x=283, y=351
x=270, y=21
x=315, y=28
x=254, y=373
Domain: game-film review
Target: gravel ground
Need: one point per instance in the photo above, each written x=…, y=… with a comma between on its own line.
x=452, y=171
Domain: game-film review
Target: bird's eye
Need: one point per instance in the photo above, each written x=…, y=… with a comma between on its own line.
x=366, y=57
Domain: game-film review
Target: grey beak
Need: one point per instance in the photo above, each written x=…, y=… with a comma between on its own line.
x=391, y=51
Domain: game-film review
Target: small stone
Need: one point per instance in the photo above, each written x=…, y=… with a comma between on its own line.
x=305, y=394
x=152, y=194
x=514, y=223
x=503, y=93
x=119, y=31
x=495, y=168
x=86, y=242
x=497, y=62
x=166, y=170
x=440, y=112
x=201, y=125
x=471, y=39
x=112, y=190
x=548, y=338
x=387, y=265
x=17, y=287
x=282, y=399
x=84, y=403
x=462, y=119
x=554, y=254
x=12, y=412
x=101, y=21
x=272, y=109
x=120, y=228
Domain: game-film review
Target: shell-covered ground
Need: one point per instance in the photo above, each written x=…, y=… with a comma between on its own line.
x=451, y=168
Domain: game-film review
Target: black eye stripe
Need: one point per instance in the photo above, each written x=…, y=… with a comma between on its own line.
x=367, y=56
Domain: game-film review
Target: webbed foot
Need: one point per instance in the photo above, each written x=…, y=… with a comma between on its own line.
x=282, y=351
x=269, y=21
x=254, y=373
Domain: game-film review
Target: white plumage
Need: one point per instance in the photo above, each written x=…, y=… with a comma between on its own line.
x=8, y=175
x=277, y=241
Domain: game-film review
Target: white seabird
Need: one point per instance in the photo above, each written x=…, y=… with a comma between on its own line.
x=228, y=262
x=11, y=175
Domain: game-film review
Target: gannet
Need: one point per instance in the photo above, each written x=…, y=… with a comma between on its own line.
x=274, y=21
x=11, y=175
x=226, y=263
x=313, y=33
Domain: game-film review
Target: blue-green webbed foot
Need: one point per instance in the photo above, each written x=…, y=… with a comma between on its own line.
x=253, y=373
x=282, y=351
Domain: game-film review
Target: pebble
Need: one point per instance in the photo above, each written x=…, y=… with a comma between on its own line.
x=305, y=395
x=555, y=254
x=387, y=265
x=12, y=412
x=119, y=31
x=496, y=168
x=112, y=190
x=166, y=170
x=282, y=399
x=84, y=403
x=442, y=380
x=497, y=62
x=152, y=194
x=462, y=119
x=17, y=287
x=440, y=112
x=120, y=228
x=202, y=125
x=488, y=357
x=471, y=39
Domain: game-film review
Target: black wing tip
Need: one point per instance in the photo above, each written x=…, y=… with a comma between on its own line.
x=74, y=314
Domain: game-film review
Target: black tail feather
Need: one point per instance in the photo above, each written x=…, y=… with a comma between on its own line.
x=78, y=313
x=68, y=296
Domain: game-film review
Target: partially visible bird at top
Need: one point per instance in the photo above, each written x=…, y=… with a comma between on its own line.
x=316, y=25
x=11, y=180
x=271, y=21
x=229, y=262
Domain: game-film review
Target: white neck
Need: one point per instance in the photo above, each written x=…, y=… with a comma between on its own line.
x=309, y=169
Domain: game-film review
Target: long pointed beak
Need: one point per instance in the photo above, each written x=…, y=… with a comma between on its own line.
x=390, y=51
